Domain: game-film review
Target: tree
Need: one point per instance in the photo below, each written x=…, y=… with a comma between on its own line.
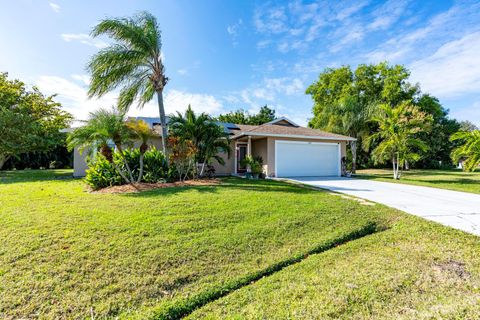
x=469, y=151
x=241, y=116
x=206, y=136
x=133, y=63
x=438, y=137
x=467, y=126
x=398, y=128
x=102, y=127
x=345, y=100
x=141, y=131
x=29, y=121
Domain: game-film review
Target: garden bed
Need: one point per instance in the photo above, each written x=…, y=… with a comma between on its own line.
x=139, y=187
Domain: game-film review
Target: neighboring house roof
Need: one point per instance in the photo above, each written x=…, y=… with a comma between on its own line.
x=279, y=129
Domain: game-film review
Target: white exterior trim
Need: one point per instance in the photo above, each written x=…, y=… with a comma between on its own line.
x=283, y=119
x=293, y=136
x=339, y=147
x=236, y=144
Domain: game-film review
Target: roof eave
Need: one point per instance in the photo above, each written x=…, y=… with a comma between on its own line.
x=242, y=134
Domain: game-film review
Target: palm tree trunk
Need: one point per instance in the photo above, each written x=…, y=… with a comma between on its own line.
x=353, y=148
x=140, y=174
x=3, y=160
x=121, y=173
x=120, y=150
x=163, y=123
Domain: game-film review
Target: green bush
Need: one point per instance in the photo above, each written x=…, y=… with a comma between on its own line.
x=102, y=174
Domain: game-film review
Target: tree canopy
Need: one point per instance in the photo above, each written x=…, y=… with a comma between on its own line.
x=241, y=116
x=29, y=120
x=346, y=100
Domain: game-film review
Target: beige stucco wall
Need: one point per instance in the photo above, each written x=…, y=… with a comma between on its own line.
x=229, y=166
x=79, y=163
x=259, y=149
x=270, y=169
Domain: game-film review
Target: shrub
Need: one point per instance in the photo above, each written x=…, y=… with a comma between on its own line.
x=102, y=174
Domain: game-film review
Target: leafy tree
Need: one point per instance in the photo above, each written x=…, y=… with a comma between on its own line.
x=241, y=116
x=397, y=139
x=438, y=138
x=102, y=127
x=207, y=138
x=467, y=126
x=469, y=151
x=182, y=156
x=133, y=63
x=345, y=100
x=29, y=121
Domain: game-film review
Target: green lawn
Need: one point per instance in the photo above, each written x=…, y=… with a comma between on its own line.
x=67, y=253
x=444, y=179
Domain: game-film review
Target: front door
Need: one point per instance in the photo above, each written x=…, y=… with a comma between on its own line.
x=241, y=154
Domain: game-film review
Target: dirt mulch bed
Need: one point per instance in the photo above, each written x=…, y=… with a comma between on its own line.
x=139, y=187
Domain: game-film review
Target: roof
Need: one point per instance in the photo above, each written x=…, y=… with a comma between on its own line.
x=282, y=130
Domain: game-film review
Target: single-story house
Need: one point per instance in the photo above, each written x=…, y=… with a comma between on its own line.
x=287, y=149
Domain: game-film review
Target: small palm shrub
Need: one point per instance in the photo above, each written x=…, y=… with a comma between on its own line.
x=101, y=173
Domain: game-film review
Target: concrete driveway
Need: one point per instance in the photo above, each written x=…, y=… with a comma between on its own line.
x=459, y=210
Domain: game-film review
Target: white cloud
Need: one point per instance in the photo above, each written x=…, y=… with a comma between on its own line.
x=55, y=7
x=85, y=39
x=388, y=14
x=452, y=70
x=182, y=71
x=85, y=79
x=74, y=99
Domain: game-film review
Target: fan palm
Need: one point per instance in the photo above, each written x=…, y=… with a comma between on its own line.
x=132, y=63
x=469, y=151
x=207, y=137
x=102, y=127
x=396, y=135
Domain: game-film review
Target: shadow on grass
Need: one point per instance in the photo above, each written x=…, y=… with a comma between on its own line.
x=183, y=307
x=19, y=176
x=230, y=183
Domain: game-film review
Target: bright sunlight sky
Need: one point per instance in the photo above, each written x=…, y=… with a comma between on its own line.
x=222, y=55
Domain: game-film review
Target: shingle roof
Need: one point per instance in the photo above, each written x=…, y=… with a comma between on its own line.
x=285, y=130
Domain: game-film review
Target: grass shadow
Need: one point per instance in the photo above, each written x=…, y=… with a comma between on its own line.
x=21, y=176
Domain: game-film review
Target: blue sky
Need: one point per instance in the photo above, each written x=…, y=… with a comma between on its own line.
x=224, y=55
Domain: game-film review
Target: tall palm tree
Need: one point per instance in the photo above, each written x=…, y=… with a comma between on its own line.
x=207, y=137
x=132, y=63
x=396, y=135
x=469, y=151
x=102, y=127
x=140, y=130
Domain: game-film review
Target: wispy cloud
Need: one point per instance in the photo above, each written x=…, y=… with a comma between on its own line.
x=85, y=39
x=74, y=98
x=55, y=7
x=452, y=70
x=233, y=30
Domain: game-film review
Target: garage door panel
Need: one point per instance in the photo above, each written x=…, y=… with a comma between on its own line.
x=296, y=159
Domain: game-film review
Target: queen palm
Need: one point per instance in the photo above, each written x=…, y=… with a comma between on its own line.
x=132, y=63
x=469, y=151
x=397, y=135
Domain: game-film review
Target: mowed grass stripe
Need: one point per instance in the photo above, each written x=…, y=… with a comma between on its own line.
x=67, y=253
x=182, y=308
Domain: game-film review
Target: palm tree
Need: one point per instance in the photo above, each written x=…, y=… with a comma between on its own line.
x=133, y=64
x=207, y=137
x=396, y=135
x=469, y=150
x=103, y=126
x=141, y=131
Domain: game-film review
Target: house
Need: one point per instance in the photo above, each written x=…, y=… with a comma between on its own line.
x=287, y=149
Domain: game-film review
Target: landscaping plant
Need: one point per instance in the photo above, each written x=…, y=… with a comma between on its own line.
x=469, y=151
x=133, y=63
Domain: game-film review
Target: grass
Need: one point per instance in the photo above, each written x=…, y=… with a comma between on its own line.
x=243, y=249
x=445, y=179
x=413, y=270
x=67, y=253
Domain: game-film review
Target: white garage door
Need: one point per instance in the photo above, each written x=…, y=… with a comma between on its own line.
x=304, y=159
